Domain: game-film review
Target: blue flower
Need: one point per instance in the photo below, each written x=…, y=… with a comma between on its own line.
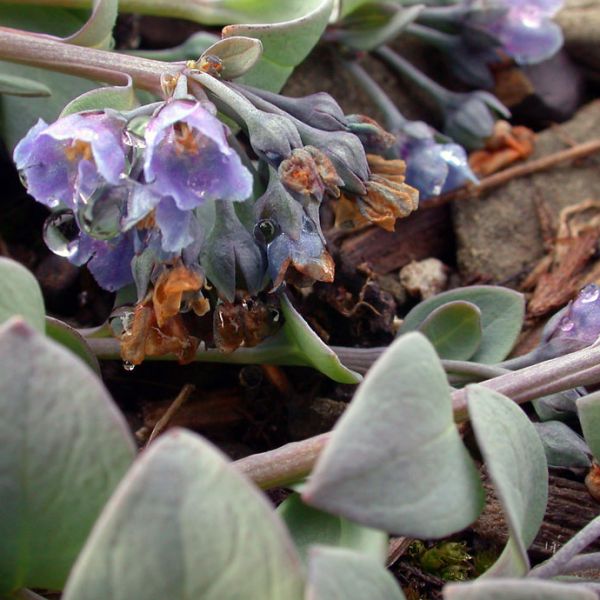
x=431, y=167
x=188, y=158
x=525, y=28
x=71, y=156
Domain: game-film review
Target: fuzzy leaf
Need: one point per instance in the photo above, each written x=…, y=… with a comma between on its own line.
x=117, y=97
x=20, y=294
x=14, y=85
x=516, y=463
x=309, y=526
x=454, y=329
x=185, y=524
x=70, y=338
x=563, y=447
x=588, y=409
x=345, y=574
x=65, y=446
x=285, y=44
x=502, y=312
x=396, y=461
x=238, y=55
x=309, y=347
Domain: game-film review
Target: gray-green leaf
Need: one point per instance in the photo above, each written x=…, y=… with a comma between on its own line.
x=339, y=573
x=65, y=446
x=516, y=463
x=517, y=589
x=396, y=461
x=588, y=409
x=309, y=526
x=184, y=524
x=70, y=338
x=502, y=313
x=454, y=329
x=238, y=55
x=563, y=447
x=14, y=85
x=20, y=294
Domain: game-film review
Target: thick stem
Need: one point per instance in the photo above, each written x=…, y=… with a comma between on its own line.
x=438, y=93
x=295, y=461
x=393, y=118
x=99, y=65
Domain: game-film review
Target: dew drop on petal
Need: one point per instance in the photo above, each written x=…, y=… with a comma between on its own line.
x=590, y=293
x=566, y=324
x=61, y=233
x=128, y=366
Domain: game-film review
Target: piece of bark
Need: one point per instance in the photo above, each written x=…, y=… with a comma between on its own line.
x=421, y=235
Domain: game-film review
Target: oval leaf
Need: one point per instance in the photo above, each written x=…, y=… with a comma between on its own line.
x=115, y=97
x=502, y=312
x=21, y=86
x=20, y=294
x=184, y=524
x=309, y=526
x=516, y=463
x=65, y=446
x=396, y=461
x=588, y=409
x=517, y=589
x=342, y=573
x=454, y=329
x=309, y=347
x=70, y=338
x=285, y=44
x=238, y=55
x=563, y=447
x=97, y=30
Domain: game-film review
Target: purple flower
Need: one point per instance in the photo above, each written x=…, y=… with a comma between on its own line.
x=433, y=168
x=525, y=28
x=188, y=158
x=73, y=155
x=575, y=326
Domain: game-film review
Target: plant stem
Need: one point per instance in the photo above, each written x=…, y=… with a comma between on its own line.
x=438, y=39
x=293, y=462
x=393, y=118
x=438, y=93
x=99, y=65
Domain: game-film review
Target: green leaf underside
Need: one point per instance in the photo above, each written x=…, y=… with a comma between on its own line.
x=70, y=338
x=184, y=524
x=285, y=44
x=309, y=526
x=311, y=350
x=516, y=463
x=65, y=446
x=588, y=410
x=454, y=329
x=20, y=294
x=517, y=589
x=502, y=313
x=396, y=461
x=342, y=574
x=14, y=85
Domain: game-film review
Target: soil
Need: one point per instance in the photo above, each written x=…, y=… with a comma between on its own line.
x=496, y=239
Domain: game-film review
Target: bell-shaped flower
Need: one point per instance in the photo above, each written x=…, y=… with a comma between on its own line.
x=77, y=152
x=188, y=157
x=432, y=168
x=575, y=326
x=469, y=117
x=526, y=30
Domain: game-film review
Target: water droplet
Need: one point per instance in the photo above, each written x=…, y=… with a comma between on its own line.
x=128, y=366
x=23, y=179
x=101, y=213
x=566, y=324
x=590, y=293
x=266, y=230
x=133, y=140
x=61, y=233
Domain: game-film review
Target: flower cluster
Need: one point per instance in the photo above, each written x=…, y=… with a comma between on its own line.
x=164, y=199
